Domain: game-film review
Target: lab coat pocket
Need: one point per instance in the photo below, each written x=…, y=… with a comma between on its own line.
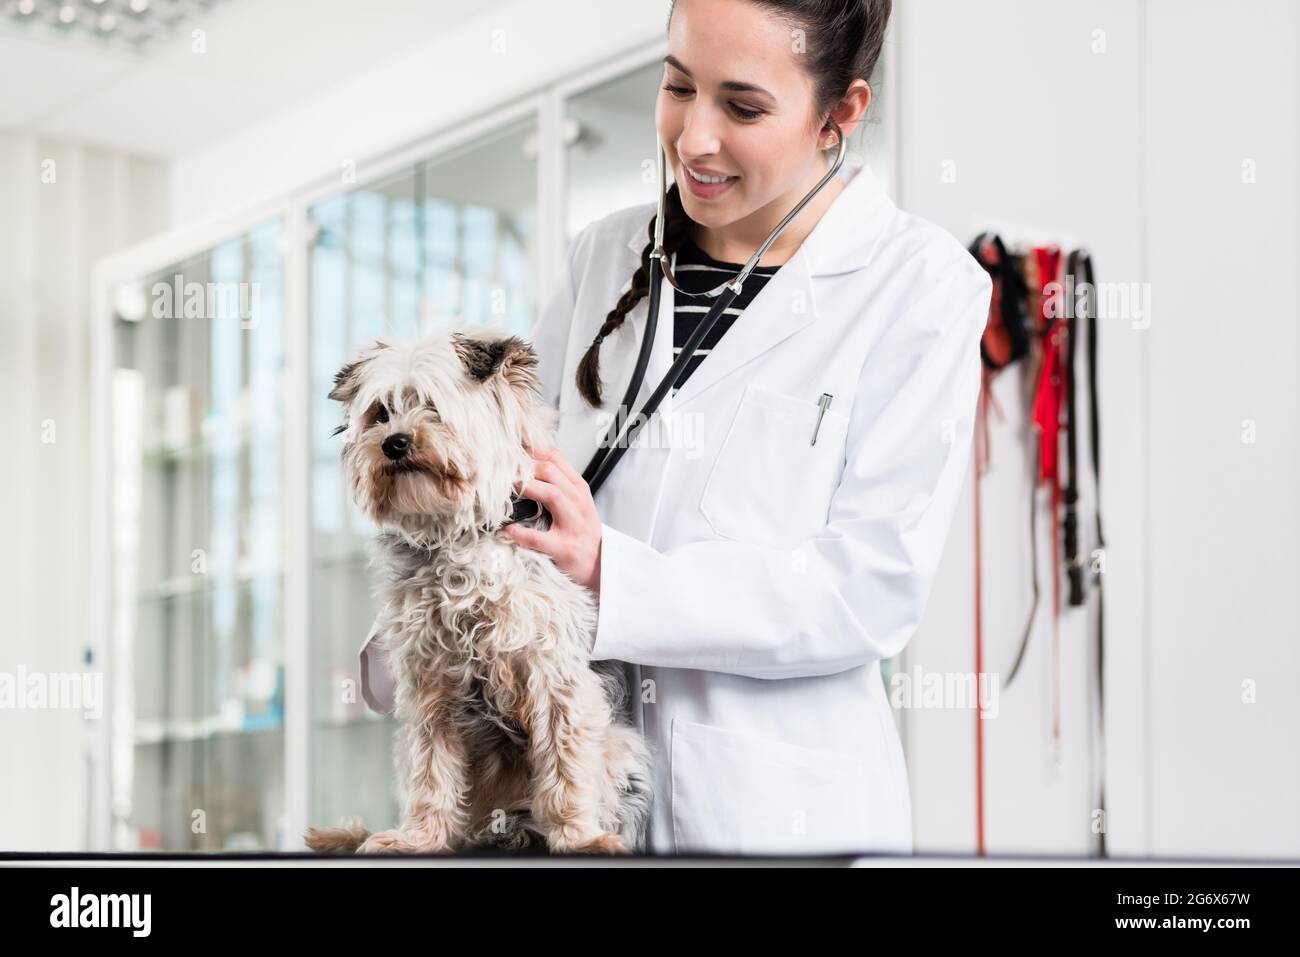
x=770, y=485
x=736, y=793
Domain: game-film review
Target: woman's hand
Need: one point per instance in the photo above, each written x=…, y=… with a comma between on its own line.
x=575, y=535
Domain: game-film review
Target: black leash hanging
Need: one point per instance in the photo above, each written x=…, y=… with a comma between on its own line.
x=1097, y=564
x=1070, y=524
x=1007, y=339
x=1084, y=301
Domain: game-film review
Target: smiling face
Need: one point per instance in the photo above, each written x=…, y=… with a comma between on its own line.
x=738, y=103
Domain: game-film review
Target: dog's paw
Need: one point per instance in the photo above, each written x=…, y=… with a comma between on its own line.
x=602, y=844
x=383, y=842
x=388, y=842
x=397, y=841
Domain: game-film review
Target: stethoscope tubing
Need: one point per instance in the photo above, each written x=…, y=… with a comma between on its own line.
x=616, y=443
x=606, y=457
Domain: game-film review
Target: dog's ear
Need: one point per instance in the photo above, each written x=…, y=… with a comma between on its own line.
x=346, y=382
x=348, y=379
x=511, y=358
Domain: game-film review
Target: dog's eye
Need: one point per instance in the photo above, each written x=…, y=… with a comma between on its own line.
x=381, y=415
x=377, y=412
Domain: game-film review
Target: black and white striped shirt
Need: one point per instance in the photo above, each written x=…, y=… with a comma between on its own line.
x=696, y=271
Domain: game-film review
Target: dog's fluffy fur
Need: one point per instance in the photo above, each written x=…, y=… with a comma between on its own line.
x=508, y=735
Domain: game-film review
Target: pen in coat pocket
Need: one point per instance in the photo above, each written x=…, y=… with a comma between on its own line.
x=823, y=404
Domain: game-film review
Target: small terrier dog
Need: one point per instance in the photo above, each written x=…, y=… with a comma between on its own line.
x=508, y=735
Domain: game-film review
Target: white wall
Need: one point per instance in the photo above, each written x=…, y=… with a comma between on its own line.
x=62, y=206
x=1135, y=151
x=1223, y=522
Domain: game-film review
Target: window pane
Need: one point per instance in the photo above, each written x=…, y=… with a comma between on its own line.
x=198, y=676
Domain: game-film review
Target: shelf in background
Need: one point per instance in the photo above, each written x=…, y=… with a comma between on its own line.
x=180, y=586
x=214, y=726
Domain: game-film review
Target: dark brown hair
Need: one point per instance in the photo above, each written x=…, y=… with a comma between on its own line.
x=842, y=40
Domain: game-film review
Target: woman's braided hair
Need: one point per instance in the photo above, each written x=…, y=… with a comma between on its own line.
x=842, y=40
x=676, y=229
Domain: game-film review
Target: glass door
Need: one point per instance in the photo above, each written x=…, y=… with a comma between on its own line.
x=610, y=159
x=197, y=759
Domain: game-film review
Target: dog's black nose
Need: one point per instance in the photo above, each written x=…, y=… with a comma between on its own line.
x=395, y=446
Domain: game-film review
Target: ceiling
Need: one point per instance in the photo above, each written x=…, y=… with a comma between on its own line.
x=262, y=57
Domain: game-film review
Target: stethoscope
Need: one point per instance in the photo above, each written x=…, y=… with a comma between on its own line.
x=616, y=441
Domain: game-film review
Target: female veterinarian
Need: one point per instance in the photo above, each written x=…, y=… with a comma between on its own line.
x=758, y=554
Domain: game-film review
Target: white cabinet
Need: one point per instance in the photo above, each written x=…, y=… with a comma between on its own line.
x=196, y=682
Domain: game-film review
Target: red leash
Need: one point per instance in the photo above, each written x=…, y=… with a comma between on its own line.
x=1048, y=403
x=983, y=456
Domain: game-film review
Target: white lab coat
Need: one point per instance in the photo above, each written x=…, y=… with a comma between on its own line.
x=752, y=582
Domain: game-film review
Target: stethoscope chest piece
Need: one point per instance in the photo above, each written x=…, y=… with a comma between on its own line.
x=522, y=510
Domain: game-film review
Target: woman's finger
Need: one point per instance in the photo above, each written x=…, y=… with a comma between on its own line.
x=548, y=471
x=556, y=465
x=530, y=537
x=552, y=496
x=565, y=466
